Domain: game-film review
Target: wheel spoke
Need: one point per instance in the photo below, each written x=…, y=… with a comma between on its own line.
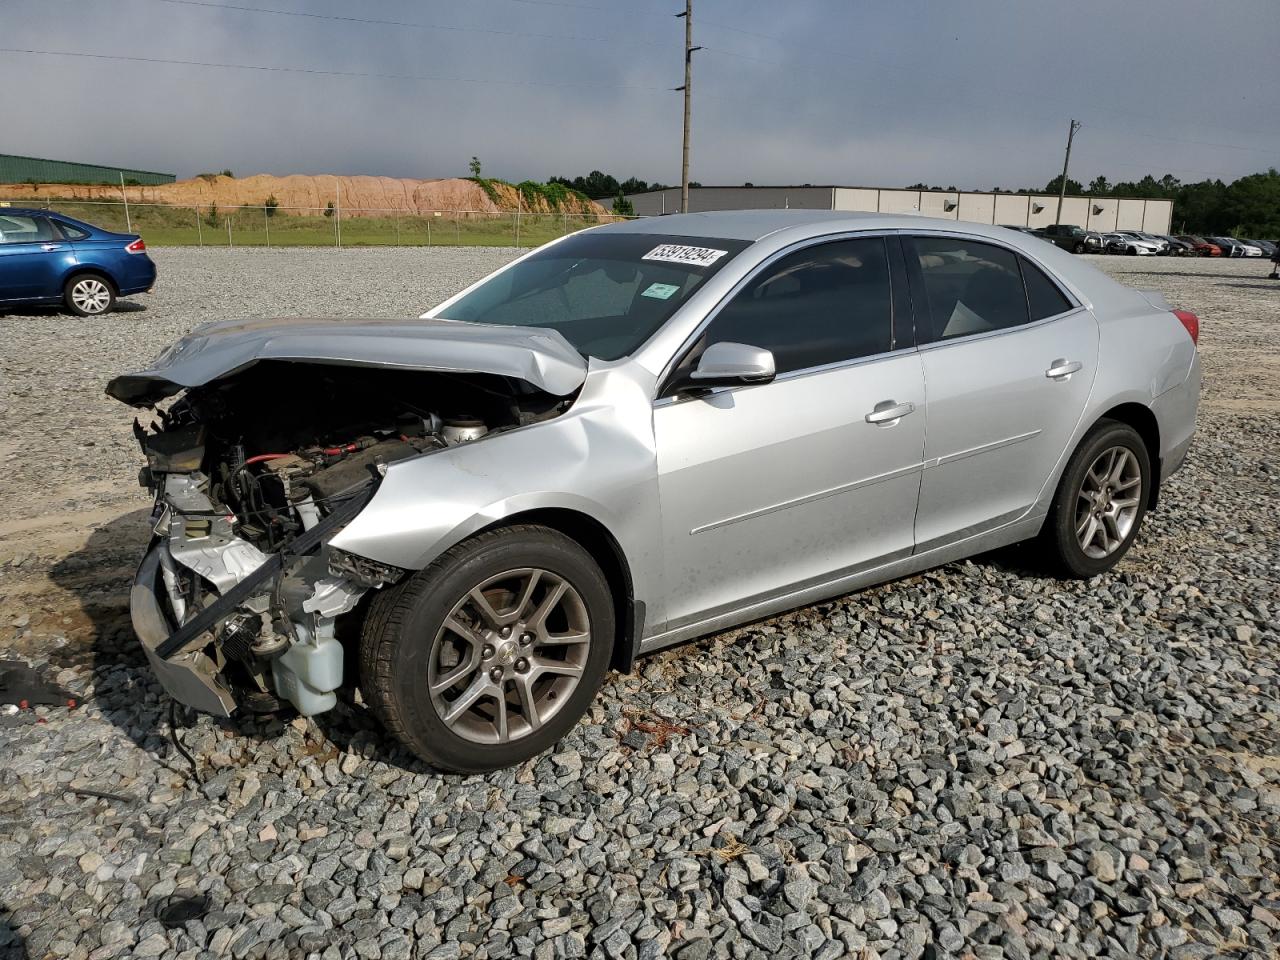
x=478, y=688
x=549, y=602
x=528, y=702
x=1085, y=528
x=504, y=733
x=1120, y=460
x=564, y=639
x=559, y=667
x=464, y=631
x=451, y=678
x=1112, y=528
x=1128, y=484
x=1125, y=504
x=526, y=596
x=485, y=608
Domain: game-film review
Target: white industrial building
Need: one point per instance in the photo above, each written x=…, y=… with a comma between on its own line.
x=1103, y=214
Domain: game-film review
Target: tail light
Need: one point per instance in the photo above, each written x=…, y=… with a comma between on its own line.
x=136, y=247
x=1191, y=322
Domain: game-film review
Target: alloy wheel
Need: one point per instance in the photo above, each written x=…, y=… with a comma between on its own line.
x=509, y=655
x=1107, y=505
x=91, y=295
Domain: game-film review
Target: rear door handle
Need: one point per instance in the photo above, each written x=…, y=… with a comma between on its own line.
x=1061, y=369
x=889, y=412
x=50, y=246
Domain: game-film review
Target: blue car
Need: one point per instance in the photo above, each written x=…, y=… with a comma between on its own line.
x=48, y=258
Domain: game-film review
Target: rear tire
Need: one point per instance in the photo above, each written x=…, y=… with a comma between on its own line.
x=89, y=295
x=474, y=685
x=1100, y=503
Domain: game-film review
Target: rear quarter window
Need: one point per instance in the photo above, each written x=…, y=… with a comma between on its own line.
x=1044, y=299
x=70, y=231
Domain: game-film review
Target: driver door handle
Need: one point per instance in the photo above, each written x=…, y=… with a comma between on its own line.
x=50, y=246
x=889, y=412
x=1061, y=369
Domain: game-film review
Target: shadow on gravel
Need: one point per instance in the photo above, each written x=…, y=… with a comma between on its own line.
x=98, y=576
x=121, y=306
x=12, y=944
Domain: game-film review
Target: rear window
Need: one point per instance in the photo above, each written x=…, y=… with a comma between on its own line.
x=606, y=293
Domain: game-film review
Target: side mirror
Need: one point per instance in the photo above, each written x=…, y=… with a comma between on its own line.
x=732, y=364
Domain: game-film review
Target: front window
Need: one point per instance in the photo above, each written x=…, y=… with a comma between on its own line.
x=606, y=293
x=15, y=229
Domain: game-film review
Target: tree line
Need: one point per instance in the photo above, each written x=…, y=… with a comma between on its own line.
x=1249, y=206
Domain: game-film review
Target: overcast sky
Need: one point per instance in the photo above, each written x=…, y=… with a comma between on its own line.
x=976, y=94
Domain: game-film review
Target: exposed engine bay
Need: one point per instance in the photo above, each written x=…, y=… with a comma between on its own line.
x=252, y=473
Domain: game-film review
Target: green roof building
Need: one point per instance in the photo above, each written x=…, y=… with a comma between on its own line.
x=37, y=170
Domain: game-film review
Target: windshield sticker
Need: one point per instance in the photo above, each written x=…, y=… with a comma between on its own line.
x=660, y=291
x=691, y=256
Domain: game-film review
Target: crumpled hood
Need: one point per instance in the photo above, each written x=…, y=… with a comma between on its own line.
x=536, y=355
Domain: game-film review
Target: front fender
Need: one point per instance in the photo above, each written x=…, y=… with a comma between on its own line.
x=596, y=460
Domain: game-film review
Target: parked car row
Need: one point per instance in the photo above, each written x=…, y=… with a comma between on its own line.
x=1138, y=243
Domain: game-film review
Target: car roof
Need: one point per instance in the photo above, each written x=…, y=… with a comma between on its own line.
x=23, y=212
x=753, y=225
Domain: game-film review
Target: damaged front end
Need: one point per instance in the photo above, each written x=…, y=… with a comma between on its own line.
x=240, y=600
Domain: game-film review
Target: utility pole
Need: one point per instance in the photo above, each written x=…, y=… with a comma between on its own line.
x=1062, y=193
x=688, y=97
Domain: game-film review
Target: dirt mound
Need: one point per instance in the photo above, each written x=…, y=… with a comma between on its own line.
x=357, y=196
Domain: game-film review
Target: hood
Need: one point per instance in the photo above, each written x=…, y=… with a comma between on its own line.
x=540, y=357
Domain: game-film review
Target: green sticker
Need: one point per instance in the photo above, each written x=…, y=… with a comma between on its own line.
x=660, y=291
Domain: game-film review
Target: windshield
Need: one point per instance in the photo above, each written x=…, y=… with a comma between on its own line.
x=606, y=293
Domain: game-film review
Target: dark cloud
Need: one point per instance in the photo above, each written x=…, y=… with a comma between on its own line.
x=975, y=94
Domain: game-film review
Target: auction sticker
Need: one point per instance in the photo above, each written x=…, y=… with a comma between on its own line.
x=660, y=291
x=692, y=256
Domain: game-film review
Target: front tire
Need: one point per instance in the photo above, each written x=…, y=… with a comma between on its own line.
x=1078, y=248
x=492, y=653
x=89, y=295
x=1100, y=503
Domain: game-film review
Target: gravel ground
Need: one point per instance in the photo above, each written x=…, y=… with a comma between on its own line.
x=974, y=762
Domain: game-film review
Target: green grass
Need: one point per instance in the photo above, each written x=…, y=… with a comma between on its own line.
x=177, y=226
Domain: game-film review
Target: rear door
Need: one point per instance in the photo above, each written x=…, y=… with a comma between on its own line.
x=770, y=488
x=33, y=258
x=1008, y=364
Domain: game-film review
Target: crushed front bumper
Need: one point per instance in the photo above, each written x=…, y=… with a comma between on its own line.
x=307, y=673
x=189, y=677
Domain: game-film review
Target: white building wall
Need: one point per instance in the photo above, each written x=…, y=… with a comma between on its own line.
x=977, y=208
x=1129, y=214
x=899, y=201
x=936, y=204
x=1011, y=209
x=1102, y=214
x=1043, y=211
x=858, y=199
x=1157, y=216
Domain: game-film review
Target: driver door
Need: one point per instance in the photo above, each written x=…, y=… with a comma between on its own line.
x=766, y=489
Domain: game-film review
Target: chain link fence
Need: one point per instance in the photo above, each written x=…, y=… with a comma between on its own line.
x=280, y=226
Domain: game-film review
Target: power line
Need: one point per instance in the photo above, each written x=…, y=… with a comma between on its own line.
x=434, y=78
x=953, y=78
x=374, y=21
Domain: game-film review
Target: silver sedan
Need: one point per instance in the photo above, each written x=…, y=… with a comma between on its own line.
x=633, y=436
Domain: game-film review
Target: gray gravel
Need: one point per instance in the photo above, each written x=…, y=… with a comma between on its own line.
x=974, y=762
